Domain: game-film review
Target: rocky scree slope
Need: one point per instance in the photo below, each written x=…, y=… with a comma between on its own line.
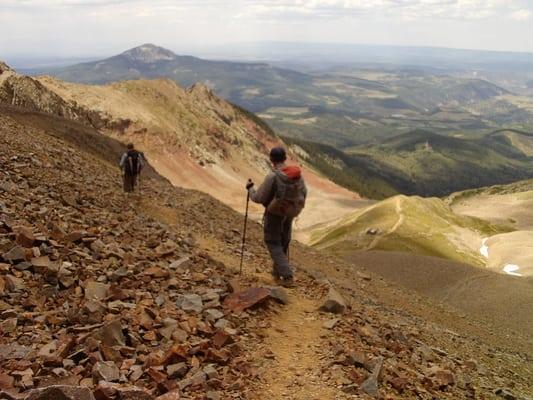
x=113, y=297
x=93, y=291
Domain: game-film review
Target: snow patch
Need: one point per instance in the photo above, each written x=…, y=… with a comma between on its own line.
x=484, y=249
x=511, y=269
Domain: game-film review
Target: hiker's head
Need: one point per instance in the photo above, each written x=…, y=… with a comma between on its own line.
x=130, y=146
x=278, y=155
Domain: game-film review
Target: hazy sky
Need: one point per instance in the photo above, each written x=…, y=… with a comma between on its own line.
x=103, y=27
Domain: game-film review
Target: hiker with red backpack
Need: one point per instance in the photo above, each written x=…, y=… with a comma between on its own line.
x=131, y=164
x=283, y=194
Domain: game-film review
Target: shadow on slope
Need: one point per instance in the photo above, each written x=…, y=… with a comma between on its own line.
x=482, y=294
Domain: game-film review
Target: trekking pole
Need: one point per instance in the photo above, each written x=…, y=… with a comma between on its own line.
x=244, y=231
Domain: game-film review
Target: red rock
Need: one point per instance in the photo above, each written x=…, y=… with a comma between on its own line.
x=134, y=394
x=15, y=255
x=150, y=336
x=111, y=353
x=111, y=334
x=444, y=378
x=156, y=272
x=156, y=375
x=41, y=264
x=172, y=395
x=106, y=391
x=221, y=339
x=96, y=290
x=106, y=371
x=175, y=354
x=6, y=381
x=25, y=237
x=76, y=236
x=240, y=301
x=334, y=302
x=399, y=383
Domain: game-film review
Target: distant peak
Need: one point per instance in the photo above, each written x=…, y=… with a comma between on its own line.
x=149, y=53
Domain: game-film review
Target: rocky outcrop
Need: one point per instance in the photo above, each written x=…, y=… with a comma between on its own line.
x=25, y=92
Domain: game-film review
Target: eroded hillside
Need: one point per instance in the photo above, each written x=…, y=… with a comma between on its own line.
x=190, y=136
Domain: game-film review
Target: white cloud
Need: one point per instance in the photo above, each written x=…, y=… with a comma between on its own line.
x=522, y=14
x=109, y=25
x=411, y=9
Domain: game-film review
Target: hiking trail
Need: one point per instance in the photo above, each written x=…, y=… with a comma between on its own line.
x=401, y=218
x=294, y=338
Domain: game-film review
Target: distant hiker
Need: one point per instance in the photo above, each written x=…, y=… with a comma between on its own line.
x=283, y=193
x=131, y=164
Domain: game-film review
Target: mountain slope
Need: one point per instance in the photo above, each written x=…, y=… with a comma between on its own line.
x=191, y=136
x=153, y=250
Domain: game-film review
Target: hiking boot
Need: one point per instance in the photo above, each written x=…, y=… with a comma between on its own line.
x=286, y=281
x=275, y=274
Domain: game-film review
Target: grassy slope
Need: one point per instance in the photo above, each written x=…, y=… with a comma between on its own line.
x=412, y=224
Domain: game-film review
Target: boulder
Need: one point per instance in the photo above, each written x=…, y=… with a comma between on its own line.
x=134, y=394
x=172, y=395
x=504, y=394
x=168, y=328
x=330, y=324
x=111, y=334
x=199, y=378
x=177, y=370
x=334, y=302
x=279, y=294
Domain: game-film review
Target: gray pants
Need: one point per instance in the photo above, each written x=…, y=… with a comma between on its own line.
x=278, y=231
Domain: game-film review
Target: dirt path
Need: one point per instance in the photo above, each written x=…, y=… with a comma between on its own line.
x=401, y=217
x=295, y=340
x=394, y=228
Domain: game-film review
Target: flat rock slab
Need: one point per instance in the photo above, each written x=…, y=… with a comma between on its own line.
x=240, y=301
x=13, y=352
x=60, y=392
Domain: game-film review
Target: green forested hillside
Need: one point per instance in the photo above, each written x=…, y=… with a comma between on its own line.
x=423, y=163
